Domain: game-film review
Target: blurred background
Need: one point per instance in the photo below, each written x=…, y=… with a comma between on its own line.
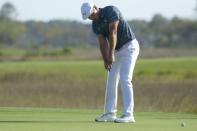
x=49, y=57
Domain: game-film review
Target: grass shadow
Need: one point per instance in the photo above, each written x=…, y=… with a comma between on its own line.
x=22, y=121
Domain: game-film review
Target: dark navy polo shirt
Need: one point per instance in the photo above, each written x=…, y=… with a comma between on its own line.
x=110, y=14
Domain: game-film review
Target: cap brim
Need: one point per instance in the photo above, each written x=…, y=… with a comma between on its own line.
x=84, y=17
x=88, y=12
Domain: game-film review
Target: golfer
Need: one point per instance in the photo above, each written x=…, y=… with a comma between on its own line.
x=119, y=49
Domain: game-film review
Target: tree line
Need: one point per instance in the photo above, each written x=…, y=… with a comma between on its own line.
x=158, y=32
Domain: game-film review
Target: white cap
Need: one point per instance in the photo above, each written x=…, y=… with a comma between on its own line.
x=86, y=10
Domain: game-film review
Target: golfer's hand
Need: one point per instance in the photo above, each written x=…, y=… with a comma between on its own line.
x=109, y=62
x=106, y=65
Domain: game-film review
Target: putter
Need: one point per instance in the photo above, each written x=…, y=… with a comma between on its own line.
x=106, y=91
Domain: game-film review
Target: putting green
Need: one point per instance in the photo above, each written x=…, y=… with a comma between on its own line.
x=36, y=119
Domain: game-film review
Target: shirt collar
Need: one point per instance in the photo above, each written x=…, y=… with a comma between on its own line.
x=101, y=13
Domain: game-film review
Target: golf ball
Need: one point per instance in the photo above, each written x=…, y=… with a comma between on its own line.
x=183, y=124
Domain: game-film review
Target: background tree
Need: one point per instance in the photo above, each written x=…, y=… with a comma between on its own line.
x=8, y=11
x=10, y=29
x=195, y=10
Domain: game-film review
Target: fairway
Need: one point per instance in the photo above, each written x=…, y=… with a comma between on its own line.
x=47, y=119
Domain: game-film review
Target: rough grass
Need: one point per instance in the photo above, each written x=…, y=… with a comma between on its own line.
x=36, y=119
x=159, y=84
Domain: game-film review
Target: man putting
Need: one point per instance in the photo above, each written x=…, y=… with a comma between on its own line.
x=119, y=49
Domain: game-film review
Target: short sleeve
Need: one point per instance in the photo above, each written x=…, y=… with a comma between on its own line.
x=113, y=15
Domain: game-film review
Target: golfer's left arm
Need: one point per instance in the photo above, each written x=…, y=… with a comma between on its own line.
x=113, y=27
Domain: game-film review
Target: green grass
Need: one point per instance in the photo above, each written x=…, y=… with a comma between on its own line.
x=12, y=52
x=77, y=68
x=35, y=119
x=173, y=68
x=167, y=85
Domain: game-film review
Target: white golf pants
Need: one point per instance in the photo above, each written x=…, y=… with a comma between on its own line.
x=122, y=70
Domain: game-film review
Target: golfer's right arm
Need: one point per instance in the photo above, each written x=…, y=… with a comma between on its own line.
x=104, y=48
